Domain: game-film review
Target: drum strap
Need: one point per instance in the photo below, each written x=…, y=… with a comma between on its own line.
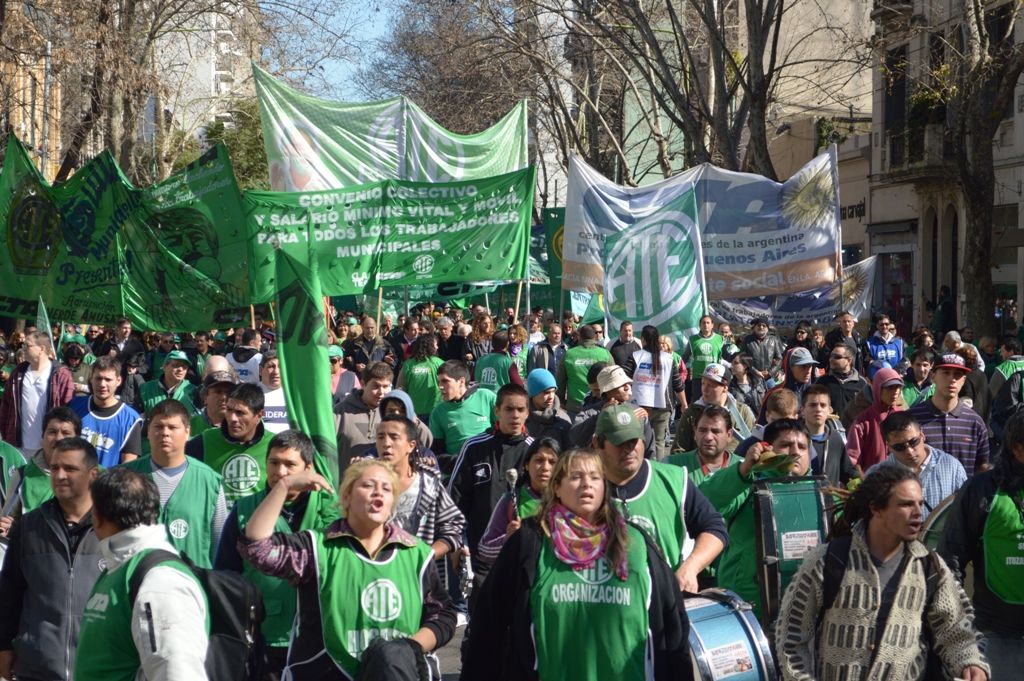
x=836, y=558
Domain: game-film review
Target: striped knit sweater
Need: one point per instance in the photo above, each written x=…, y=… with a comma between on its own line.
x=847, y=629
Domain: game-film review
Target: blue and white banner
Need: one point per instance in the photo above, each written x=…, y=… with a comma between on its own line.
x=758, y=237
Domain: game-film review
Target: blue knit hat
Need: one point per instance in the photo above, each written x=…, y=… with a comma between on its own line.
x=540, y=380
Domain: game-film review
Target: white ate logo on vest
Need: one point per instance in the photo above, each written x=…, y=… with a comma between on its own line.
x=241, y=473
x=98, y=603
x=381, y=600
x=598, y=574
x=178, y=528
x=489, y=376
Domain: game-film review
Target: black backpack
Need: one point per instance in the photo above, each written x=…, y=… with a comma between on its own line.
x=235, y=605
x=837, y=556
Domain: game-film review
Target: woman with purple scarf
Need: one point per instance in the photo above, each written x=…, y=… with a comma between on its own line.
x=578, y=593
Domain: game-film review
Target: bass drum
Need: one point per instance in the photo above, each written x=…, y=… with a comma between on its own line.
x=726, y=640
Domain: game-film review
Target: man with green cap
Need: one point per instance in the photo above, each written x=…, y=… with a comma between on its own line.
x=171, y=384
x=658, y=497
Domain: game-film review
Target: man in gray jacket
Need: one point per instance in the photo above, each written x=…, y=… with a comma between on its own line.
x=51, y=564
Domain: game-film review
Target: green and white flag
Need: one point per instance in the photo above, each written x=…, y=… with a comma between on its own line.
x=394, y=233
x=314, y=144
x=654, y=270
x=305, y=368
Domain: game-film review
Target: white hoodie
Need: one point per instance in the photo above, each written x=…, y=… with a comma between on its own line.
x=169, y=615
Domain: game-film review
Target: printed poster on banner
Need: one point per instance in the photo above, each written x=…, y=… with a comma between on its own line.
x=759, y=237
x=653, y=271
x=854, y=294
x=395, y=234
x=314, y=144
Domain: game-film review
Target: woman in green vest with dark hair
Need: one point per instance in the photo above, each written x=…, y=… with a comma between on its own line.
x=579, y=594
x=418, y=376
x=359, y=580
x=522, y=502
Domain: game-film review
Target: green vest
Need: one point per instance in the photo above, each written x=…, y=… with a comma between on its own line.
x=659, y=511
x=35, y=487
x=577, y=363
x=527, y=505
x=421, y=383
x=106, y=630
x=1010, y=367
x=279, y=595
x=10, y=460
x=362, y=600
x=188, y=514
x=704, y=351
x=153, y=393
x=492, y=370
x=695, y=469
x=614, y=643
x=242, y=467
x=198, y=424
x=1004, y=549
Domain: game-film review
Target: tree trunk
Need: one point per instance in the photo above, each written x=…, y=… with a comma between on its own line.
x=977, y=178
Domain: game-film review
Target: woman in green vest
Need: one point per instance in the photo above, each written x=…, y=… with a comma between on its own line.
x=512, y=507
x=578, y=594
x=362, y=582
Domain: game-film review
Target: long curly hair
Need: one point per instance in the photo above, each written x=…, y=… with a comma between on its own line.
x=875, y=491
x=481, y=332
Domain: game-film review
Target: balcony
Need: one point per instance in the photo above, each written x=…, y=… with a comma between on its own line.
x=918, y=152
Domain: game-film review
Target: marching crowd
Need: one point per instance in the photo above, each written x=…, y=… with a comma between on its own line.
x=558, y=492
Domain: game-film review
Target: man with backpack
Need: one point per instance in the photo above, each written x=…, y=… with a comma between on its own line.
x=875, y=603
x=984, y=528
x=163, y=631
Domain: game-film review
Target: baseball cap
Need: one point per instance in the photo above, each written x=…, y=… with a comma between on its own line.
x=619, y=424
x=334, y=350
x=218, y=377
x=951, y=360
x=895, y=380
x=717, y=373
x=801, y=357
x=179, y=356
x=538, y=381
x=612, y=377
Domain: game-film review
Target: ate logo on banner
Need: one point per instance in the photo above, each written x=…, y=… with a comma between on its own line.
x=649, y=267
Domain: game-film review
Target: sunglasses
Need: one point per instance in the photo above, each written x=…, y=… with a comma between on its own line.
x=904, y=446
x=334, y=360
x=840, y=357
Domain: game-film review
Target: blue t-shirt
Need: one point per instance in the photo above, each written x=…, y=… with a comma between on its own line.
x=108, y=433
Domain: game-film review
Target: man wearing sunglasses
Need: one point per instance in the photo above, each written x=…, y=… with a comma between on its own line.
x=939, y=473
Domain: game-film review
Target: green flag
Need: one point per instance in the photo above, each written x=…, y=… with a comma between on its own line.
x=654, y=270
x=43, y=323
x=302, y=350
x=316, y=144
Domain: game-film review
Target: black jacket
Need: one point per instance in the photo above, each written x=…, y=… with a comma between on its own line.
x=842, y=392
x=478, y=480
x=44, y=585
x=501, y=646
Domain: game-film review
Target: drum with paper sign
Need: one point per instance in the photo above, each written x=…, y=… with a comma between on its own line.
x=726, y=640
x=791, y=516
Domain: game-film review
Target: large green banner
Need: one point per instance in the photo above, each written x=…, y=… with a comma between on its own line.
x=96, y=248
x=395, y=234
x=315, y=144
